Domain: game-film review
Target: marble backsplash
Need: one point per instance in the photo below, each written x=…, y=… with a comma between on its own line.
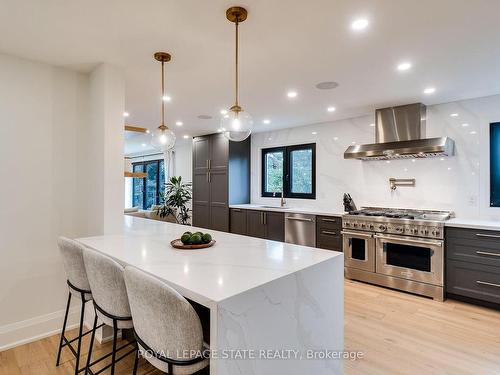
x=459, y=183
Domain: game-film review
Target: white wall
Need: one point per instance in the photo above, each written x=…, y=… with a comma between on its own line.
x=44, y=143
x=459, y=183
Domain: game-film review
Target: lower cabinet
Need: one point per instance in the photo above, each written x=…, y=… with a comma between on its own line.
x=261, y=224
x=328, y=232
x=473, y=265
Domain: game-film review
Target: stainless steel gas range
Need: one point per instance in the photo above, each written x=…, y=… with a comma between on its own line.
x=397, y=248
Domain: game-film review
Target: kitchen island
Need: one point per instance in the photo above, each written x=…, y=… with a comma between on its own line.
x=275, y=308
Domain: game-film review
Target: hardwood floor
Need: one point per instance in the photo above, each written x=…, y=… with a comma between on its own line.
x=398, y=333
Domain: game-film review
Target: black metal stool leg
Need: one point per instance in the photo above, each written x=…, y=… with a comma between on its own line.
x=115, y=339
x=136, y=361
x=63, y=329
x=80, y=332
x=91, y=345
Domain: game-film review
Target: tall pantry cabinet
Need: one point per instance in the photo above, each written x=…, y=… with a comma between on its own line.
x=221, y=177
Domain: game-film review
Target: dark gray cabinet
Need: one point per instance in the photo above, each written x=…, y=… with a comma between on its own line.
x=221, y=176
x=261, y=224
x=328, y=232
x=238, y=221
x=473, y=265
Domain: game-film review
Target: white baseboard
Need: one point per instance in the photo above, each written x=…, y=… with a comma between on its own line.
x=36, y=328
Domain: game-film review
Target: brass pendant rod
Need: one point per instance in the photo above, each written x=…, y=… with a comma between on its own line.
x=236, y=70
x=162, y=93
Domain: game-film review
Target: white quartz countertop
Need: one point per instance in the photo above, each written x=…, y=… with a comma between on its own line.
x=473, y=223
x=233, y=265
x=291, y=209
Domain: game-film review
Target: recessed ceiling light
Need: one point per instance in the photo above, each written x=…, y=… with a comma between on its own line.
x=266, y=121
x=404, y=66
x=372, y=124
x=292, y=94
x=314, y=133
x=442, y=159
x=143, y=145
x=454, y=115
x=387, y=161
x=269, y=139
x=179, y=123
x=359, y=24
x=429, y=90
x=331, y=109
x=465, y=125
x=335, y=138
x=353, y=142
x=204, y=117
x=327, y=85
x=219, y=130
x=148, y=131
x=413, y=160
x=167, y=98
x=185, y=136
x=223, y=111
x=126, y=114
x=473, y=132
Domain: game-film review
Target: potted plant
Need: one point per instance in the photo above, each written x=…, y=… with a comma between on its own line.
x=175, y=198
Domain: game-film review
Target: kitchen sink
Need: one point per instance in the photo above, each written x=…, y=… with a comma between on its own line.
x=275, y=207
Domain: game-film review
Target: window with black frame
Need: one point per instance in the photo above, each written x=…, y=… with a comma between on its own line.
x=291, y=170
x=147, y=191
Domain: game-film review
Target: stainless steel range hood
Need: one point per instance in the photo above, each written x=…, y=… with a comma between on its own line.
x=400, y=134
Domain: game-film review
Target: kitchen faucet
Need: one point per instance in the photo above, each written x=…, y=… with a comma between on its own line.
x=282, y=200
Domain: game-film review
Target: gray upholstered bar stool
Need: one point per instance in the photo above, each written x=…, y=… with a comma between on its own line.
x=110, y=302
x=165, y=325
x=78, y=285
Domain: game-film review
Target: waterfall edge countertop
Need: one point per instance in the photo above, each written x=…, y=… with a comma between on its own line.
x=233, y=265
x=262, y=295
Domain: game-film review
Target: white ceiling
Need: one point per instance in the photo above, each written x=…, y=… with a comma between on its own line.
x=285, y=44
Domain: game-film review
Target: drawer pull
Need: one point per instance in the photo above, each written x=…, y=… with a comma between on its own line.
x=489, y=284
x=299, y=219
x=328, y=232
x=487, y=253
x=329, y=220
x=487, y=235
x=236, y=209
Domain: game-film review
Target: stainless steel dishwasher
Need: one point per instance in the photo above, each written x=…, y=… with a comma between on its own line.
x=300, y=229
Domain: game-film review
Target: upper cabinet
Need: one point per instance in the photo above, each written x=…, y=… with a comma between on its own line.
x=221, y=176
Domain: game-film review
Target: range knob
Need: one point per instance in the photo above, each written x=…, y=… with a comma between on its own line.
x=347, y=224
x=371, y=226
x=399, y=229
x=382, y=227
x=363, y=225
x=355, y=225
x=414, y=230
x=424, y=232
x=435, y=232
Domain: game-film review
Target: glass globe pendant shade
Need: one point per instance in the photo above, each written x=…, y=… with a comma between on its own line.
x=163, y=139
x=237, y=125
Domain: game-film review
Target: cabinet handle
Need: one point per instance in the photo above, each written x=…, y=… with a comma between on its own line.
x=209, y=177
x=265, y=218
x=487, y=253
x=206, y=163
x=209, y=163
x=262, y=218
x=328, y=232
x=329, y=220
x=487, y=235
x=489, y=284
x=299, y=219
x=236, y=209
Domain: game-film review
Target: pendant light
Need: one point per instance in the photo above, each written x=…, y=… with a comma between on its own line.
x=162, y=138
x=236, y=124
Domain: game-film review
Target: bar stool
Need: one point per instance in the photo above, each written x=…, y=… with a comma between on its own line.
x=165, y=325
x=78, y=286
x=110, y=303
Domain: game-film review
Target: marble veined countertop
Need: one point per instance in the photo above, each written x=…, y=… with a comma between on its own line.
x=291, y=209
x=235, y=264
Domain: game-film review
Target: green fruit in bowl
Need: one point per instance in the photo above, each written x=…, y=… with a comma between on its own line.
x=206, y=238
x=188, y=233
x=195, y=239
x=185, y=238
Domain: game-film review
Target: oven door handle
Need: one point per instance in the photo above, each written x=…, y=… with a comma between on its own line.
x=357, y=234
x=411, y=240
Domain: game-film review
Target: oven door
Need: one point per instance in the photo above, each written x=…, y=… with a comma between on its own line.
x=359, y=250
x=410, y=258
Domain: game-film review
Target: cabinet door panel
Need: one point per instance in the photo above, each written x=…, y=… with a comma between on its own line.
x=219, y=217
x=219, y=152
x=238, y=221
x=255, y=225
x=201, y=154
x=275, y=226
